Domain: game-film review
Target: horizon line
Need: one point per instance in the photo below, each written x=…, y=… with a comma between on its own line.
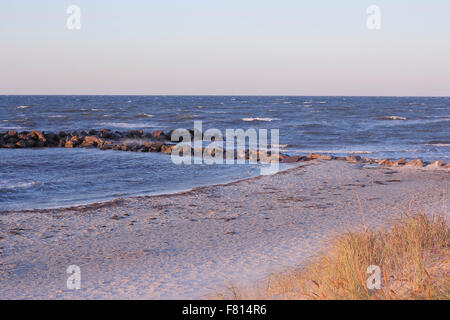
x=229, y=95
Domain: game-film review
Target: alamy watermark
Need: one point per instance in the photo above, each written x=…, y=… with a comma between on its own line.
x=374, y=280
x=228, y=148
x=74, y=19
x=74, y=280
x=374, y=18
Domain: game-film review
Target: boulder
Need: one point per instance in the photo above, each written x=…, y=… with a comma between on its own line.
x=155, y=146
x=91, y=141
x=158, y=135
x=292, y=159
x=68, y=144
x=436, y=164
x=353, y=159
x=52, y=139
x=167, y=148
x=386, y=162
x=11, y=133
x=415, y=163
x=400, y=162
x=39, y=136
x=21, y=144
x=30, y=143
x=135, y=133
x=319, y=156
x=106, y=134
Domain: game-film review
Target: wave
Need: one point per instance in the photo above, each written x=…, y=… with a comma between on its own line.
x=129, y=125
x=22, y=107
x=392, y=118
x=343, y=151
x=23, y=185
x=11, y=128
x=143, y=115
x=259, y=119
x=438, y=143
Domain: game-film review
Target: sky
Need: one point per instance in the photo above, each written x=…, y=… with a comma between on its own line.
x=225, y=47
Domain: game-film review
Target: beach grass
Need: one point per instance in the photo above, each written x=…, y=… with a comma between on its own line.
x=413, y=257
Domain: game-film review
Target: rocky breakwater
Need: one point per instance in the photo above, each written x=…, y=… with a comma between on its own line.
x=381, y=162
x=133, y=141
x=102, y=139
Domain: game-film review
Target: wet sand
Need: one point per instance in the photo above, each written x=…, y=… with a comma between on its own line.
x=189, y=245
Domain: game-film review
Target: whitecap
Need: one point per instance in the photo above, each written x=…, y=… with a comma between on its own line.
x=393, y=118
x=22, y=107
x=145, y=115
x=438, y=144
x=11, y=128
x=23, y=185
x=259, y=119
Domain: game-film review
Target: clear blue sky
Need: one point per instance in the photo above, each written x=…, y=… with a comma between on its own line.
x=254, y=47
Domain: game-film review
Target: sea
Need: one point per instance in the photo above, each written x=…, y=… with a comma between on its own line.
x=374, y=127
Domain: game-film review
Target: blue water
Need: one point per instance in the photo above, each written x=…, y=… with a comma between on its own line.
x=376, y=127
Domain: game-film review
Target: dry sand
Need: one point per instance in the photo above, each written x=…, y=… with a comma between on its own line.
x=188, y=245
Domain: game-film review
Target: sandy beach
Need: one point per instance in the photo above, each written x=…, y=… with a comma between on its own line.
x=189, y=245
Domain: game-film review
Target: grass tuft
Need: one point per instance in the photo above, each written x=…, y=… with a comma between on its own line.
x=413, y=257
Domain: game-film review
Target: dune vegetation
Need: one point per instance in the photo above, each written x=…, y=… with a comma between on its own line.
x=413, y=257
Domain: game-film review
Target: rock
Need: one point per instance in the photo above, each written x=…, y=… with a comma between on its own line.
x=39, y=136
x=30, y=143
x=353, y=158
x=91, y=141
x=12, y=133
x=319, y=156
x=400, y=162
x=12, y=139
x=386, y=162
x=436, y=164
x=92, y=132
x=158, y=135
x=2, y=142
x=117, y=147
x=21, y=144
x=415, y=163
x=341, y=158
x=155, y=146
x=135, y=134
x=72, y=142
x=368, y=161
x=447, y=166
x=292, y=159
x=52, y=139
x=167, y=148
x=106, y=134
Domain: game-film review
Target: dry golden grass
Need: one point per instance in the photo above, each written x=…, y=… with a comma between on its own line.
x=413, y=257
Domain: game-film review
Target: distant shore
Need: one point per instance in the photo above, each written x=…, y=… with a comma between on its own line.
x=191, y=244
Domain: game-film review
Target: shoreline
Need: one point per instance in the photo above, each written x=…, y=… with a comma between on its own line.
x=188, y=245
x=118, y=201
